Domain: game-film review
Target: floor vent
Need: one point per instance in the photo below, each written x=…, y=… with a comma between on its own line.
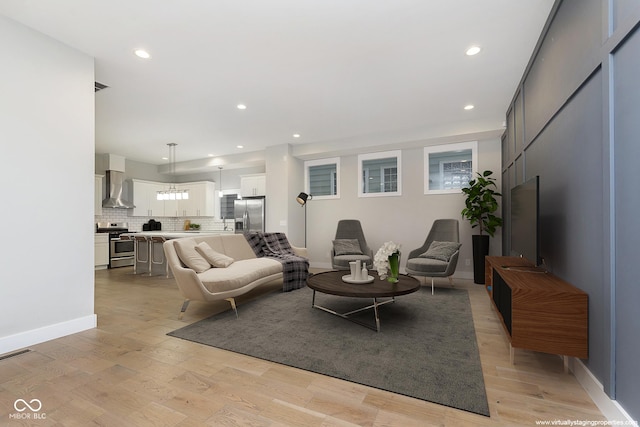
x=17, y=353
x=99, y=86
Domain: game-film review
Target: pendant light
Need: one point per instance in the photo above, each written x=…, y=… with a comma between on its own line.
x=173, y=193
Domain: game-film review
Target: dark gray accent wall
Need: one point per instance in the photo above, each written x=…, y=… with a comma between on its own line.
x=563, y=62
x=626, y=96
x=577, y=110
x=567, y=156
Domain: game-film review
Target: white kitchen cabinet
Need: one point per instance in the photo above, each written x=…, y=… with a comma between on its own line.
x=171, y=208
x=101, y=251
x=200, y=202
x=145, y=198
x=253, y=185
x=97, y=195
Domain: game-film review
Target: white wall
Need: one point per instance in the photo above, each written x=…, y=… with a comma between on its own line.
x=284, y=175
x=403, y=219
x=46, y=173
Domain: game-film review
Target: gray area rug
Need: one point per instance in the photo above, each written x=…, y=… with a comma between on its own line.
x=426, y=347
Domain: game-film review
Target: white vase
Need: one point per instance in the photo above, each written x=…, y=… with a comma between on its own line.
x=352, y=265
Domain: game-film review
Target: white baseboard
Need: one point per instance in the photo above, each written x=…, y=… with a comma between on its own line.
x=609, y=408
x=35, y=336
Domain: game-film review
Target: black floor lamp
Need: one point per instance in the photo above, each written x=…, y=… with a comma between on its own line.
x=302, y=199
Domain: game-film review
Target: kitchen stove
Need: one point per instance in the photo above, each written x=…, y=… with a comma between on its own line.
x=121, y=252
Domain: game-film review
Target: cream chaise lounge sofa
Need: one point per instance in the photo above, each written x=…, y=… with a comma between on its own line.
x=237, y=269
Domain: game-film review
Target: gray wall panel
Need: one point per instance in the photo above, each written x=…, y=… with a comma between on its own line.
x=589, y=233
x=622, y=9
x=519, y=124
x=518, y=171
x=506, y=220
x=567, y=156
x=559, y=68
x=507, y=152
x=627, y=206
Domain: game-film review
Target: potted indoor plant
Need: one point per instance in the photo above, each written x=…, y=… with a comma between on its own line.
x=480, y=206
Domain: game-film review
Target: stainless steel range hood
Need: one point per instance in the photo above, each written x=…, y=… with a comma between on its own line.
x=115, y=181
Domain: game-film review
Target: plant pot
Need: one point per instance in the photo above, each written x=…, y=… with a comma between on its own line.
x=394, y=267
x=480, y=250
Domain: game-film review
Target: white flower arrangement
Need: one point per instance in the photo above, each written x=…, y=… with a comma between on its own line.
x=381, y=259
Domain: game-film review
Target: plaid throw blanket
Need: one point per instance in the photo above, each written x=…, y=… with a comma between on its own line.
x=295, y=269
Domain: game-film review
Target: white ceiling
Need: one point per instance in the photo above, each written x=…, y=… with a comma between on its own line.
x=340, y=73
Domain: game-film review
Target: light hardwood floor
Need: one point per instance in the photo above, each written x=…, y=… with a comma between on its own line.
x=128, y=372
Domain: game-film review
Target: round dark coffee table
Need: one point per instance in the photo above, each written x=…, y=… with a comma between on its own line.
x=330, y=282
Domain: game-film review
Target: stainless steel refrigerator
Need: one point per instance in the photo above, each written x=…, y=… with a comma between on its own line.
x=249, y=215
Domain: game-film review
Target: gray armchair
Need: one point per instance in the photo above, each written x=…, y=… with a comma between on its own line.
x=431, y=262
x=350, y=229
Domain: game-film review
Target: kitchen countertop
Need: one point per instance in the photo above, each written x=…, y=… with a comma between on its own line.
x=177, y=234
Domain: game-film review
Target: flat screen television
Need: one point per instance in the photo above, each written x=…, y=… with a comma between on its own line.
x=525, y=221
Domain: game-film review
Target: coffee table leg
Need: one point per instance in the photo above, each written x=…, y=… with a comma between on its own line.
x=375, y=310
x=375, y=306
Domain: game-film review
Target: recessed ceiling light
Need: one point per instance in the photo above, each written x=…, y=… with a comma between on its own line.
x=165, y=158
x=210, y=155
x=473, y=50
x=296, y=135
x=242, y=107
x=469, y=107
x=239, y=146
x=141, y=53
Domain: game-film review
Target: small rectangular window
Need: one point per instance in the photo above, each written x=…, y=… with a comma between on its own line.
x=322, y=178
x=450, y=167
x=380, y=174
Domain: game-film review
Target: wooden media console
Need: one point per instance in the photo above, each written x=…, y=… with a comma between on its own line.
x=538, y=310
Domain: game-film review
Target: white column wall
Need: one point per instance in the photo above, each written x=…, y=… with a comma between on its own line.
x=47, y=178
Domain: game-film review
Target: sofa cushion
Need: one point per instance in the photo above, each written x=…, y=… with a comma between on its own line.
x=237, y=247
x=186, y=250
x=239, y=274
x=214, y=258
x=347, y=247
x=441, y=250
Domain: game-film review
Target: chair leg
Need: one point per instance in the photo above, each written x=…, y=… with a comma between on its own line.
x=185, y=304
x=451, y=281
x=432, y=286
x=233, y=305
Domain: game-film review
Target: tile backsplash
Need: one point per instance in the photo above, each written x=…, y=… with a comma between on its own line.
x=168, y=223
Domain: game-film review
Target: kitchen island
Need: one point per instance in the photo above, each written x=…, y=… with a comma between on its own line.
x=149, y=255
x=175, y=234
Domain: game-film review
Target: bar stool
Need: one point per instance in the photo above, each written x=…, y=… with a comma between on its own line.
x=142, y=253
x=157, y=257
